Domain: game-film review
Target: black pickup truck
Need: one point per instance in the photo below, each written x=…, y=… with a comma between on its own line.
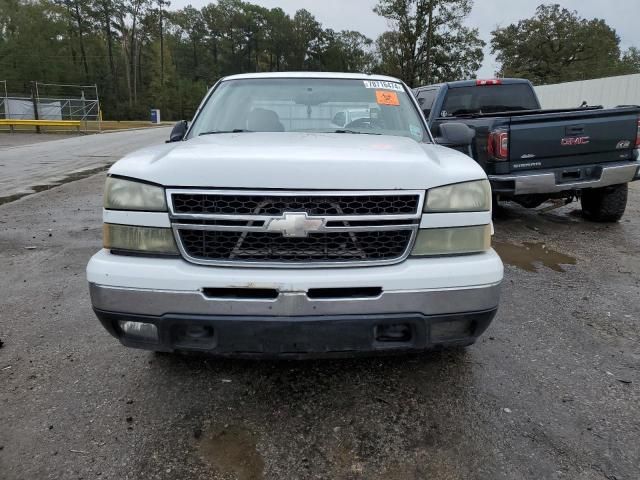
x=532, y=155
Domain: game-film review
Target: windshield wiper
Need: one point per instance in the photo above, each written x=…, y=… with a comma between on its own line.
x=355, y=132
x=214, y=132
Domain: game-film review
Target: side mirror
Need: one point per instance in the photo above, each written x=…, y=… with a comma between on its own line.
x=455, y=134
x=427, y=112
x=178, y=132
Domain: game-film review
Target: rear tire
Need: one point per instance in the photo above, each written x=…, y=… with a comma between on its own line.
x=604, y=204
x=496, y=208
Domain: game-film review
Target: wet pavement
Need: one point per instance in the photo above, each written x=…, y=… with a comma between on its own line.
x=32, y=163
x=532, y=256
x=550, y=391
x=19, y=139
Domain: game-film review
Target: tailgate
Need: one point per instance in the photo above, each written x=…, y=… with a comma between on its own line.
x=561, y=139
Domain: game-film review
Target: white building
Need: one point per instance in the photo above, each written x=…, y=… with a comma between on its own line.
x=608, y=92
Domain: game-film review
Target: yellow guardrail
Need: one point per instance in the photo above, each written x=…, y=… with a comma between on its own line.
x=11, y=123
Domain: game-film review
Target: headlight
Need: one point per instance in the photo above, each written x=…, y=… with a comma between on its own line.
x=452, y=241
x=120, y=194
x=139, y=239
x=461, y=197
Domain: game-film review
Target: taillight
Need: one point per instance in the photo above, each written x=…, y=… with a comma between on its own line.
x=498, y=145
x=638, y=135
x=493, y=81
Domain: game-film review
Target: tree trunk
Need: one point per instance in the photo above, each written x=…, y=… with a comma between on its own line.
x=161, y=47
x=429, y=43
x=71, y=35
x=127, y=70
x=132, y=56
x=139, y=76
x=195, y=58
x=83, y=52
x=109, y=33
x=257, y=50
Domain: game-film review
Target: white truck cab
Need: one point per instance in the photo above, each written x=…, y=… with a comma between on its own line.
x=264, y=230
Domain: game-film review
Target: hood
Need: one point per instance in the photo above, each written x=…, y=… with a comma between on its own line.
x=292, y=160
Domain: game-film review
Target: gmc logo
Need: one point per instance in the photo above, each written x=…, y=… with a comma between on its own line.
x=570, y=141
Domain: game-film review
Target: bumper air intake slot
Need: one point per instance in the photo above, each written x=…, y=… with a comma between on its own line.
x=393, y=333
x=193, y=336
x=341, y=293
x=241, y=293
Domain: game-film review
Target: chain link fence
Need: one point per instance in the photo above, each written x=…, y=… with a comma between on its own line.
x=52, y=101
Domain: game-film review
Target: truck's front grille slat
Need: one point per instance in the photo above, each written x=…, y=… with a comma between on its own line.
x=272, y=247
x=344, y=228
x=266, y=204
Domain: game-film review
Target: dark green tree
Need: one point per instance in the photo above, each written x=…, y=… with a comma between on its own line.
x=190, y=32
x=347, y=51
x=305, y=42
x=557, y=45
x=429, y=41
x=630, y=62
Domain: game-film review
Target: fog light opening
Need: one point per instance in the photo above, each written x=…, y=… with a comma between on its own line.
x=394, y=333
x=452, y=330
x=196, y=332
x=193, y=336
x=140, y=331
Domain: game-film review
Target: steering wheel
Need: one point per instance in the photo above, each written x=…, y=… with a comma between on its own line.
x=366, y=123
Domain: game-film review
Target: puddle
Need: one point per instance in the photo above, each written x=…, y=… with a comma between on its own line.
x=232, y=451
x=530, y=254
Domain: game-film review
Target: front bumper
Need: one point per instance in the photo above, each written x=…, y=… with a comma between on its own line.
x=419, y=304
x=296, y=337
x=566, y=178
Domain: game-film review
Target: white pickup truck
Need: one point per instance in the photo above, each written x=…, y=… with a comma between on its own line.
x=261, y=229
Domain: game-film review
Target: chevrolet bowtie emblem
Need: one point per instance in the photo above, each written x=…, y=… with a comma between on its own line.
x=295, y=224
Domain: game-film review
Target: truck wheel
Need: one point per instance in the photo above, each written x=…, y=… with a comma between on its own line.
x=496, y=208
x=604, y=204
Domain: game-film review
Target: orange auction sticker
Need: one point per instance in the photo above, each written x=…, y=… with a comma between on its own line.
x=387, y=98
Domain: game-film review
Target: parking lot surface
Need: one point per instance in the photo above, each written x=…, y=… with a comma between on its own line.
x=10, y=140
x=550, y=391
x=31, y=163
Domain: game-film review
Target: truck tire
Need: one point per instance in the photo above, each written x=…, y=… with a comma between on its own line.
x=496, y=208
x=604, y=204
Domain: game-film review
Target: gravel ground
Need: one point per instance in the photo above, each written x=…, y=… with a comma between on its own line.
x=550, y=391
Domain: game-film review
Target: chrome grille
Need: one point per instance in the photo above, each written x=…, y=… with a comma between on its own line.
x=294, y=229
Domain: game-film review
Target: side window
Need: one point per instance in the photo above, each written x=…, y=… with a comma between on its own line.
x=426, y=99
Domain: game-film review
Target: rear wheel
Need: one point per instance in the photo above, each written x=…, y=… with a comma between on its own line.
x=604, y=204
x=496, y=208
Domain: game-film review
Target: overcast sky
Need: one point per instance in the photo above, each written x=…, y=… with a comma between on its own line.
x=358, y=15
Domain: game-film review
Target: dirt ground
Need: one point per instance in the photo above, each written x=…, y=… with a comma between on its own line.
x=551, y=391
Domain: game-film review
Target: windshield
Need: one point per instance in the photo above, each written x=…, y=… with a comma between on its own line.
x=310, y=105
x=489, y=99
